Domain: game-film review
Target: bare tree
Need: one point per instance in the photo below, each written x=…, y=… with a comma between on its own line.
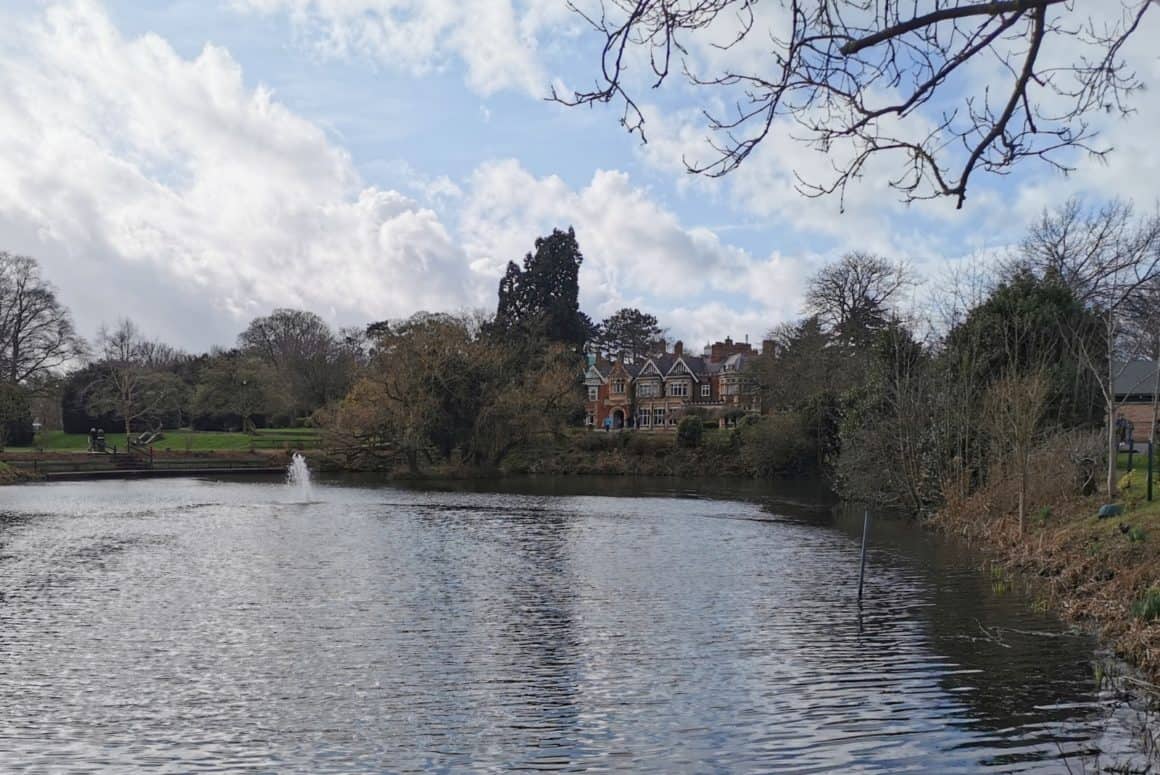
x=133, y=385
x=853, y=297
x=1107, y=256
x=880, y=78
x=1142, y=318
x=313, y=364
x=1014, y=408
x=36, y=330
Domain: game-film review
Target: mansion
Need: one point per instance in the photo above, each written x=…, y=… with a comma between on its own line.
x=655, y=393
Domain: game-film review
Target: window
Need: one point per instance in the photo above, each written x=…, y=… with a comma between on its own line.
x=679, y=389
x=593, y=393
x=642, y=418
x=658, y=416
x=705, y=390
x=647, y=390
x=618, y=386
x=673, y=418
x=590, y=419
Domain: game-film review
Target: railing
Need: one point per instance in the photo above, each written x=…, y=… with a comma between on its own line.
x=111, y=464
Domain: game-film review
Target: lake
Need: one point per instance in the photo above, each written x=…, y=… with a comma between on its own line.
x=568, y=624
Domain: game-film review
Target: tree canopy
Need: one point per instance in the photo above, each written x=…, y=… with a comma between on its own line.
x=630, y=333
x=36, y=330
x=312, y=365
x=541, y=300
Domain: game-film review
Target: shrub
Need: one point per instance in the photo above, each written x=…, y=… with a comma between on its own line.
x=689, y=431
x=1148, y=606
x=773, y=445
x=643, y=444
x=596, y=441
x=718, y=440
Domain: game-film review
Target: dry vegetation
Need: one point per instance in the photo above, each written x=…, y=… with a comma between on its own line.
x=1100, y=573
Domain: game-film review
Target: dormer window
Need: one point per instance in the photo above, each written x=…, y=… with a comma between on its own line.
x=679, y=389
x=618, y=386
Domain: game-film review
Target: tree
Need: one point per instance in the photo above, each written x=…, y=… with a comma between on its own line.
x=807, y=373
x=36, y=330
x=437, y=387
x=541, y=300
x=891, y=451
x=233, y=383
x=1018, y=329
x=690, y=430
x=132, y=381
x=853, y=297
x=313, y=365
x=1014, y=409
x=522, y=404
x=857, y=80
x=15, y=416
x=628, y=332
x=1106, y=255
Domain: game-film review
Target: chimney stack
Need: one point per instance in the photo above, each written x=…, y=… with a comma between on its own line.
x=679, y=348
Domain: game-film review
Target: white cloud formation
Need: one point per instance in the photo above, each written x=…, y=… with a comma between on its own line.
x=163, y=188
x=636, y=252
x=149, y=183
x=496, y=40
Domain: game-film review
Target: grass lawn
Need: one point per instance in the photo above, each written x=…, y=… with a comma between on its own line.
x=191, y=441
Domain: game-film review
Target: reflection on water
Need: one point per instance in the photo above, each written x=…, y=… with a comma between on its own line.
x=557, y=624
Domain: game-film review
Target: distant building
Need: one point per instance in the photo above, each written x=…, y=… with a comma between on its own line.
x=654, y=394
x=1134, y=385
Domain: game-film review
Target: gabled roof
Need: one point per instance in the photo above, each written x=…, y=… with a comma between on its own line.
x=650, y=366
x=1136, y=378
x=693, y=364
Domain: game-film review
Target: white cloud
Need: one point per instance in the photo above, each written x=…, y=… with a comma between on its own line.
x=149, y=184
x=636, y=252
x=496, y=40
x=164, y=188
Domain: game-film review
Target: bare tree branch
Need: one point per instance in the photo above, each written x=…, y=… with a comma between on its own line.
x=850, y=75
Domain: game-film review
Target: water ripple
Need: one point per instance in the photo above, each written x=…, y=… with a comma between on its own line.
x=187, y=626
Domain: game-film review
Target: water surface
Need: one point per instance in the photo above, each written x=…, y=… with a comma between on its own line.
x=585, y=624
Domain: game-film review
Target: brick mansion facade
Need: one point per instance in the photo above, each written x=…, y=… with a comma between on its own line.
x=654, y=394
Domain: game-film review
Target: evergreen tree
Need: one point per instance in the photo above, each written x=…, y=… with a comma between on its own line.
x=541, y=300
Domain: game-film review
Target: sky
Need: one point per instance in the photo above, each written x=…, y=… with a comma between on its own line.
x=193, y=164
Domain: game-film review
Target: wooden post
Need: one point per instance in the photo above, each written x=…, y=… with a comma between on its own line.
x=862, y=559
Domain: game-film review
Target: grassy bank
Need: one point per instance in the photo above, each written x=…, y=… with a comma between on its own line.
x=1100, y=573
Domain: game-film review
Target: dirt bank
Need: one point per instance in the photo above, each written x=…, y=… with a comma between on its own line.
x=1103, y=574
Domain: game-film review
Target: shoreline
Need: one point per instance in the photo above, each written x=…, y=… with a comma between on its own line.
x=1088, y=571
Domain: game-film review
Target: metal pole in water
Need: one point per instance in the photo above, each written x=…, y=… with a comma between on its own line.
x=862, y=559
